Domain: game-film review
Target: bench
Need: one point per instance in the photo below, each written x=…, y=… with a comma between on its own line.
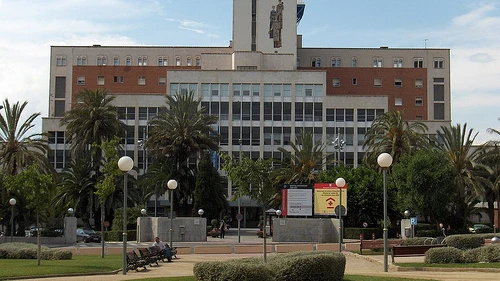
x=134, y=262
x=412, y=250
x=377, y=244
x=147, y=257
x=159, y=254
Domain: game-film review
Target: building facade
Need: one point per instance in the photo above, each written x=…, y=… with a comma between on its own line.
x=265, y=86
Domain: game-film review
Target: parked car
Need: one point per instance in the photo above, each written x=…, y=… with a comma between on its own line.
x=87, y=235
x=481, y=228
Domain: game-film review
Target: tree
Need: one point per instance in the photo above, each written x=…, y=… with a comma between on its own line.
x=38, y=190
x=92, y=120
x=425, y=182
x=302, y=164
x=180, y=132
x=154, y=181
x=18, y=146
x=457, y=146
x=390, y=133
x=209, y=192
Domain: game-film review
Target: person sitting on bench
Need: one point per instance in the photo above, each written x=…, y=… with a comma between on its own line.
x=164, y=249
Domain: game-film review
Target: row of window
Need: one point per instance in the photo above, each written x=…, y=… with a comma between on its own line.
x=141, y=60
x=377, y=62
x=120, y=79
x=377, y=82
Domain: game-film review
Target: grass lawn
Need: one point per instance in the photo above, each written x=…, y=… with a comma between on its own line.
x=452, y=265
x=346, y=278
x=79, y=264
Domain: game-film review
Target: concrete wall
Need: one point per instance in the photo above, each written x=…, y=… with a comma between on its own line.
x=185, y=229
x=305, y=230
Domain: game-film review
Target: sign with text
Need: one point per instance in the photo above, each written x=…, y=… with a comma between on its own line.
x=296, y=200
x=327, y=199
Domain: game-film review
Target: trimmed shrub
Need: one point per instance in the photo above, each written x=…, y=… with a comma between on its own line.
x=464, y=241
x=443, y=255
x=305, y=266
x=29, y=251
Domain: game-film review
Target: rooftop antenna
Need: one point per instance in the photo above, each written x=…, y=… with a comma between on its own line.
x=425, y=43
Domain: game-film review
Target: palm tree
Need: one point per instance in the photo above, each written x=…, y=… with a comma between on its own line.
x=18, y=146
x=299, y=166
x=180, y=132
x=93, y=120
x=390, y=133
x=457, y=144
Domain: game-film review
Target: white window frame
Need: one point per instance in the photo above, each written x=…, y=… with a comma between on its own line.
x=116, y=61
x=141, y=80
x=336, y=62
x=398, y=101
x=162, y=80
x=419, y=101
x=354, y=62
x=377, y=82
x=418, y=62
x=100, y=80
x=336, y=82
x=102, y=60
x=398, y=62
x=128, y=61
x=80, y=80
x=189, y=62
x=398, y=82
x=419, y=83
x=377, y=62
x=61, y=60
x=439, y=63
x=178, y=61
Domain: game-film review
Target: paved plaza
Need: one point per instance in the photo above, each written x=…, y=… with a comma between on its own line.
x=371, y=265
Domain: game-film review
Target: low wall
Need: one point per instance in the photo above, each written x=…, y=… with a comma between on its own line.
x=322, y=230
x=185, y=229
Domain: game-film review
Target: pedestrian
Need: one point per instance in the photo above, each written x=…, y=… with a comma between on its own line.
x=165, y=249
x=222, y=228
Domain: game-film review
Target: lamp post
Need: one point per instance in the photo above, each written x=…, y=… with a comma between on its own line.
x=172, y=184
x=278, y=213
x=340, y=183
x=12, y=202
x=201, y=212
x=384, y=160
x=125, y=164
x=239, y=202
x=143, y=212
x=338, y=144
x=70, y=211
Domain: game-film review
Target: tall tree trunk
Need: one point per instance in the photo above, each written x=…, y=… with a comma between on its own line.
x=102, y=230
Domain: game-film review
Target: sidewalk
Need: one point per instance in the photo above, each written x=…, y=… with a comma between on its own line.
x=371, y=265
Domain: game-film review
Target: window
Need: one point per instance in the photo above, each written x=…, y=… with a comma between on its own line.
x=141, y=80
x=377, y=62
x=438, y=92
x=60, y=90
x=61, y=60
x=336, y=62
x=162, y=80
x=198, y=61
x=189, y=61
x=438, y=62
x=377, y=82
x=81, y=60
x=418, y=62
x=419, y=101
x=177, y=61
x=80, y=80
x=438, y=80
x=162, y=61
x=398, y=83
x=354, y=81
x=100, y=80
x=336, y=82
x=439, y=111
x=354, y=62
x=116, y=61
x=316, y=62
x=418, y=117
x=419, y=83
x=118, y=79
x=59, y=108
x=398, y=101
x=102, y=60
x=128, y=61
x=142, y=61
x=398, y=62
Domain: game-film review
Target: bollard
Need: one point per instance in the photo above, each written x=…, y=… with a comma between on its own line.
x=373, y=236
x=361, y=236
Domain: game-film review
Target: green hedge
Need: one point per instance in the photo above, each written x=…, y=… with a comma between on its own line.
x=464, y=241
x=28, y=251
x=314, y=266
x=488, y=253
x=443, y=255
x=118, y=235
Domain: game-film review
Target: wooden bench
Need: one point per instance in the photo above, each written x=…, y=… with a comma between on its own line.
x=412, y=251
x=377, y=244
x=147, y=256
x=134, y=262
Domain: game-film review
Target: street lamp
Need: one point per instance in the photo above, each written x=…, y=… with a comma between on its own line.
x=239, y=201
x=70, y=211
x=143, y=212
x=12, y=202
x=171, y=184
x=338, y=144
x=201, y=212
x=125, y=164
x=384, y=160
x=340, y=183
x=278, y=213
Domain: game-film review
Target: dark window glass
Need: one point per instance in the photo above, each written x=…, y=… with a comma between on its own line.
x=60, y=87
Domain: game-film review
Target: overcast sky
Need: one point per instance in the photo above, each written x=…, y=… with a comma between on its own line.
x=471, y=29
